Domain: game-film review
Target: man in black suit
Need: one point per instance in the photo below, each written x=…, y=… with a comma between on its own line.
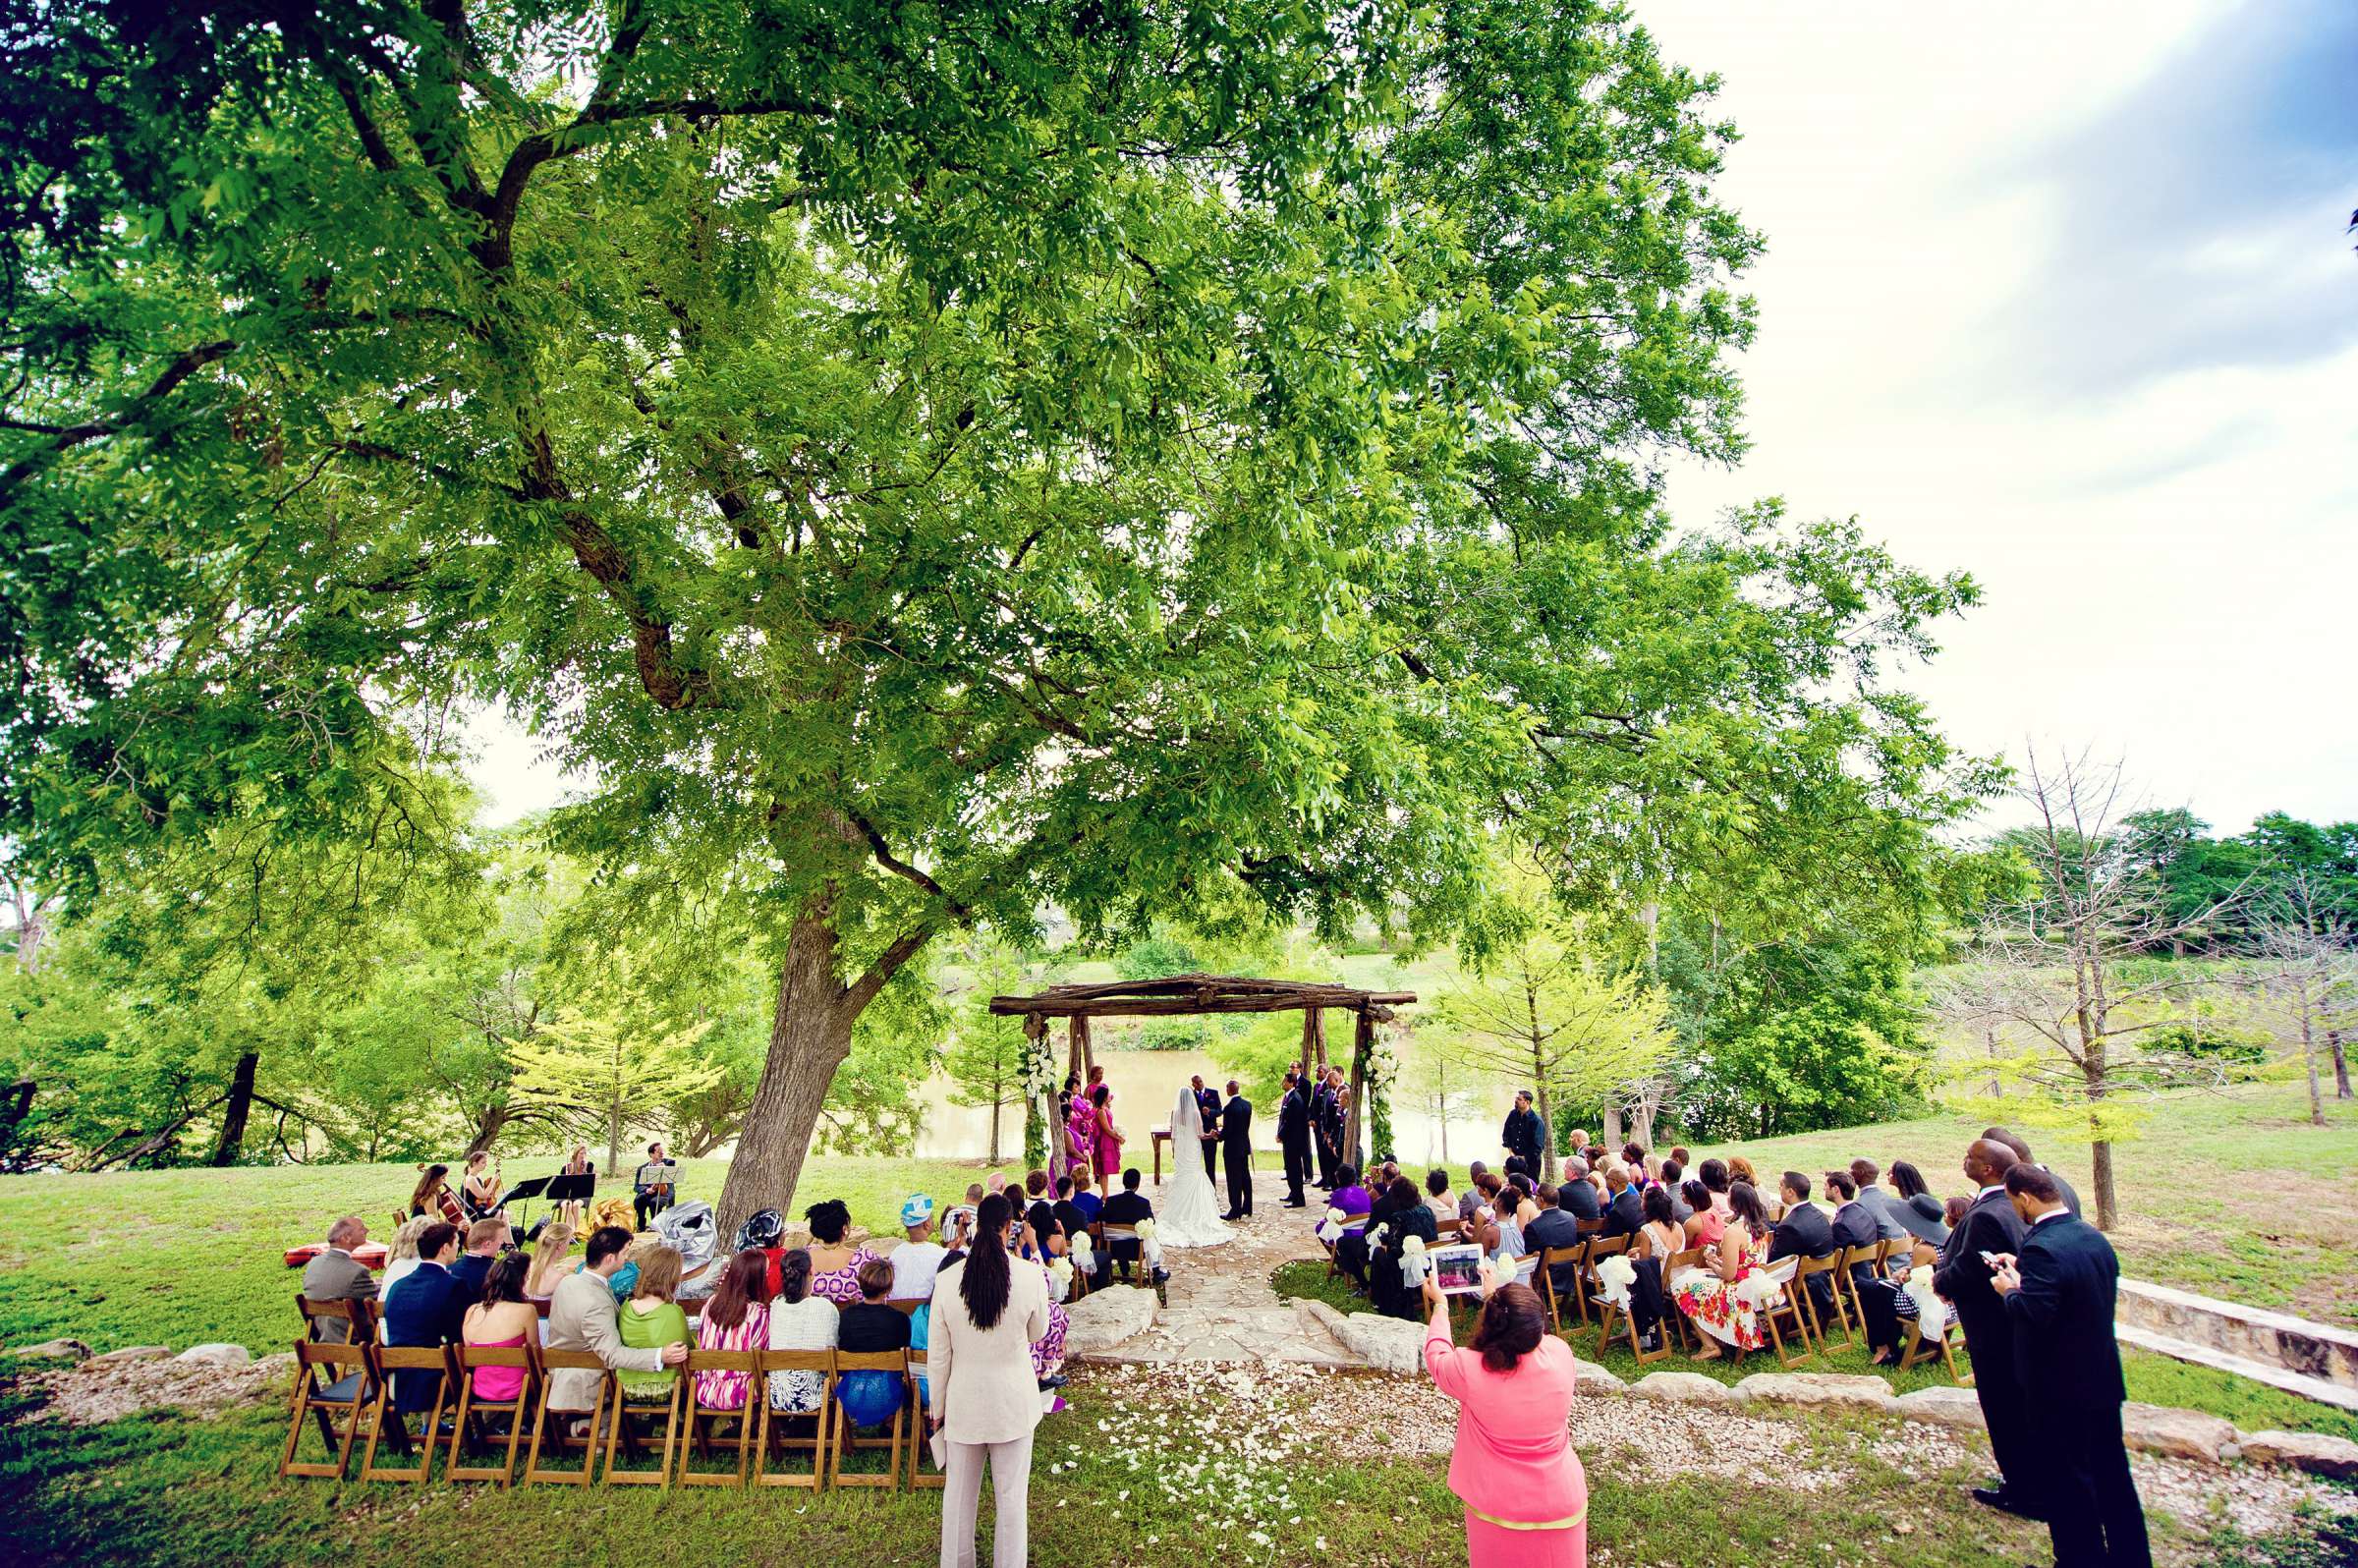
x=1556, y=1226
x=1293, y=1137
x=2060, y=1292
x=1524, y=1133
x=1073, y=1222
x=485, y=1239
x=425, y=1307
x=2022, y=1152
x=1207, y=1110
x=1674, y=1180
x=1805, y=1232
x=1236, y=1151
x=1578, y=1193
x=1127, y=1208
x=1327, y=1122
x=1624, y=1212
x=1991, y=1229
x=1854, y=1225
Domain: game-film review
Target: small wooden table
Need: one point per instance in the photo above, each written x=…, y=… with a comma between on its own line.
x=1160, y=1136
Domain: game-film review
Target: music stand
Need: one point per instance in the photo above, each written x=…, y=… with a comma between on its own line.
x=522, y=1192
x=571, y=1189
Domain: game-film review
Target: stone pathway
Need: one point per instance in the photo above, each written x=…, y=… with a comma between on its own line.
x=1222, y=1306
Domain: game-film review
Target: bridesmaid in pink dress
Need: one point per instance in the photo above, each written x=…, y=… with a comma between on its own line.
x=1527, y=1501
x=1109, y=1140
x=1081, y=1131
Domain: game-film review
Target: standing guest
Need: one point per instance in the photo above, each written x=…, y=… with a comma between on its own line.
x=1109, y=1138
x=334, y=1275
x=916, y=1261
x=986, y=1316
x=582, y=1315
x=1524, y=1133
x=1578, y=1195
x=736, y=1317
x=1917, y=1210
x=1438, y=1195
x=1625, y=1215
x=1556, y=1225
x=1472, y=1198
x=1236, y=1151
x=428, y=1307
x=652, y=1321
x=1988, y=1228
x=652, y=1184
x=1710, y=1296
x=1293, y=1137
x=1674, y=1177
x=800, y=1321
x=2059, y=1293
x=869, y=1324
x=501, y=1321
x=1526, y=1500
x=1704, y=1224
x=401, y=1258
x=834, y=1265
x=1877, y=1202
x=484, y=1240
x=2022, y=1155
x=570, y=1212
x=432, y=1199
x=1805, y=1232
x=549, y=1264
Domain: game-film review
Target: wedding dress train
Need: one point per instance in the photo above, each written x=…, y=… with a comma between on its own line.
x=1189, y=1214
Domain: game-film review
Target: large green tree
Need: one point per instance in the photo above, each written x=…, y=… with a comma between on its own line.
x=923, y=465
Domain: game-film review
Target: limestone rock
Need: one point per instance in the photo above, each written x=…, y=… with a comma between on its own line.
x=133, y=1353
x=1106, y=1317
x=217, y=1354
x=1840, y=1390
x=2180, y=1433
x=1685, y=1387
x=2312, y=1451
x=1388, y=1344
x=1960, y=1408
x=1594, y=1379
x=73, y=1348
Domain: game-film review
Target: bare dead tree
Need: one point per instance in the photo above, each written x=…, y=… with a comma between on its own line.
x=33, y=911
x=2092, y=909
x=2312, y=966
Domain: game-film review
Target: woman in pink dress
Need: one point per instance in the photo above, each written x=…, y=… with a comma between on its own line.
x=1109, y=1140
x=735, y=1318
x=1081, y=1132
x=1527, y=1501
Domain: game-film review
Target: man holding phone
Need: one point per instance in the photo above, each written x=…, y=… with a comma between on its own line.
x=1991, y=1229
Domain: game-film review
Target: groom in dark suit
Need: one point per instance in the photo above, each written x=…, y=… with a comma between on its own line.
x=1236, y=1151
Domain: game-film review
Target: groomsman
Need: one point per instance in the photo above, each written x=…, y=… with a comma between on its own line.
x=1991, y=1229
x=1293, y=1136
x=1327, y=1126
x=2059, y=1293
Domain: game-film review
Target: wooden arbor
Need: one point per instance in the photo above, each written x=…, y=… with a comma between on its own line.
x=1214, y=993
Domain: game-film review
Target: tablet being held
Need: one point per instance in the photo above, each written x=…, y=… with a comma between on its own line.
x=1457, y=1270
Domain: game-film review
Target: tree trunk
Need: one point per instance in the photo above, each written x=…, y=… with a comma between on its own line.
x=1990, y=1039
x=2317, y=1103
x=994, y=1124
x=238, y=1106
x=1363, y=1038
x=810, y=1035
x=2100, y=1154
x=614, y=1138
x=2341, y=1064
x=1613, y=1126
x=487, y=1127
x=1440, y=1109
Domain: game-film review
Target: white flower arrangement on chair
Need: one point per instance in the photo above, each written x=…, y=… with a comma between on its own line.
x=1330, y=1230
x=1060, y=1269
x=1144, y=1229
x=1760, y=1291
x=1617, y=1274
x=1082, y=1249
x=1931, y=1313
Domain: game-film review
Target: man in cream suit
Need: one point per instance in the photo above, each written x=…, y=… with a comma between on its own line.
x=580, y=1317
x=334, y=1275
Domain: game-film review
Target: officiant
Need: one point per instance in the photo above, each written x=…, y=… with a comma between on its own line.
x=1208, y=1107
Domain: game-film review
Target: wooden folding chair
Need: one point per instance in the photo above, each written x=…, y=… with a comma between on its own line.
x=920, y=1449
x=703, y=1417
x=1543, y=1276
x=1810, y=1266
x=348, y=1391
x=1690, y=1257
x=619, y=1434
x=774, y=1423
x=1355, y=1225
x=336, y=1321
x=1846, y=1281
x=386, y=1416
x=1773, y=1315
x=1915, y=1349
x=847, y=1436
x=472, y=1426
x=562, y=1436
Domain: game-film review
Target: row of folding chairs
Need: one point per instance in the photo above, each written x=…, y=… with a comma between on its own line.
x=348, y=1390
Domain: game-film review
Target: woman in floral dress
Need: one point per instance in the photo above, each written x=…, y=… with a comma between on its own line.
x=1709, y=1295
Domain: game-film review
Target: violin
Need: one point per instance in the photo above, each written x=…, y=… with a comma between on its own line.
x=449, y=1205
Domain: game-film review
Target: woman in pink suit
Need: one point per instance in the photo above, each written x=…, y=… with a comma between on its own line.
x=1526, y=1502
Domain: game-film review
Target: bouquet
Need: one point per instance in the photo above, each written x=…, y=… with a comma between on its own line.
x=1060, y=1272
x=1617, y=1274
x=1144, y=1229
x=1082, y=1249
x=1931, y=1313
x=1330, y=1230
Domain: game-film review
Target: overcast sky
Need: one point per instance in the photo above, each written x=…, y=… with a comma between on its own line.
x=2058, y=296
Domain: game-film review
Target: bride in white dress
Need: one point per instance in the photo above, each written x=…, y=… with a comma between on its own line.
x=1190, y=1215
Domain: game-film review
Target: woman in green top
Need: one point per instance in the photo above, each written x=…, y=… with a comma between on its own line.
x=651, y=1320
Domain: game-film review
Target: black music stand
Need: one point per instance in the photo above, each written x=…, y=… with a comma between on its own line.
x=522, y=1192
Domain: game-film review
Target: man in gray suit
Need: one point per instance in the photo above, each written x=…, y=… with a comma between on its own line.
x=580, y=1317
x=334, y=1275
x=1864, y=1174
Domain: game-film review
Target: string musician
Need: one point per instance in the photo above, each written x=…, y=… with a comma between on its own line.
x=432, y=1197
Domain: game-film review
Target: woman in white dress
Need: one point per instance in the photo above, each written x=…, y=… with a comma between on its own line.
x=1191, y=1212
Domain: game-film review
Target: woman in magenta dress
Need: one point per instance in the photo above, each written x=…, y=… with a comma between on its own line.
x=1081, y=1134
x=1108, y=1139
x=1527, y=1501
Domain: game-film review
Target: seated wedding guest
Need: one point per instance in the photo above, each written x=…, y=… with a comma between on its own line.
x=1438, y=1195
x=1039, y=1210
x=736, y=1317
x=693, y=1230
x=1877, y=1202
x=1127, y=1208
x=1954, y=1210
x=1472, y=1199
x=401, y=1253
x=427, y=1307
x=549, y=1261
x=1686, y=1161
x=1526, y=1500
x=501, y=1320
x=652, y=1321
x=1805, y=1231
x=1713, y=1175
x=1557, y=1226
x=1069, y=1216
x=1657, y=1242
x=2022, y=1152
x=1348, y=1195
x=1853, y=1227
x=834, y=1266
x=1502, y=1242
x=1577, y=1196
x=333, y=1276
x=1917, y=1210
x=763, y=1232
x=985, y=1315
x=1353, y=1246
x=1625, y=1215
x=800, y=1321
x=582, y=1315
x=1704, y=1224
x=1674, y=1177
x=915, y=1262
x=1577, y=1145
x=1710, y=1296
x=1524, y=1193
x=484, y=1240
x=1739, y=1169
x=869, y=1325
x=1410, y=1216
